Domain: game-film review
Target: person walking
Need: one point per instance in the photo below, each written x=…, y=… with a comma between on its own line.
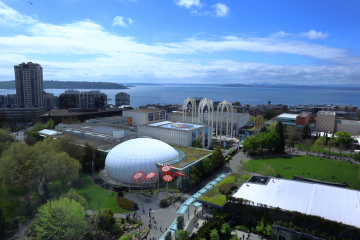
x=160, y=228
x=149, y=215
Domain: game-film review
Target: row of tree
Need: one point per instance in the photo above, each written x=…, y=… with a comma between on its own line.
x=272, y=139
x=206, y=167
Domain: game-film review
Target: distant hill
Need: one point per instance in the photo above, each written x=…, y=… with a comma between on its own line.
x=69, y=85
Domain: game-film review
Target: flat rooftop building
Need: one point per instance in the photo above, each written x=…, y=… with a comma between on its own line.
x=332, y=203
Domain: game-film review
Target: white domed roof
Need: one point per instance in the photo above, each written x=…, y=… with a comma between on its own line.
x=139, y=154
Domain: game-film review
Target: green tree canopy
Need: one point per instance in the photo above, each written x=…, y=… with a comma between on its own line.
x=214, y=234
x=217, y=158
x=319, y=144
x=207, y=165
x=50, y=124
x=72, y=195
x=6, y=139
x=181, y=234
x=342, y=138
x=237, y=103
x=104, y=219
x=280, y=130
x=225, y=229
x=60, y=219
x=306, y=132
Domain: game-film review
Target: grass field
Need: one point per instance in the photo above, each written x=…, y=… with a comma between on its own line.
x=323, y=150
x=321, y=169
x=90, y=191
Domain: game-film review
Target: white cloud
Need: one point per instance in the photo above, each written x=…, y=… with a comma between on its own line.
x=106, y=56
x=121, y=21
x=221, y=10
x=313, y=35
x=9, y=17
x=281, y=34
x=188, y=3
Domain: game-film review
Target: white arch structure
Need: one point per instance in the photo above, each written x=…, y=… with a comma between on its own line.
x=210, y=117
x=193, y=112
x=229, y=109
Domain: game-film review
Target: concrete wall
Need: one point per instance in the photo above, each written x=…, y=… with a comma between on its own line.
x=353, y=129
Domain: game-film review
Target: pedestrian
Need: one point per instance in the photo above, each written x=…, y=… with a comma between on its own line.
x=144, y=211
x=149, y=215
x=243, y=236
x=153, y=218
x=197, y=214
x=155, y=238
x=160, y=228
x=149, y=225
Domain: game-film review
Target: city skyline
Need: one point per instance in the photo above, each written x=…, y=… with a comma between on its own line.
x=184, y=41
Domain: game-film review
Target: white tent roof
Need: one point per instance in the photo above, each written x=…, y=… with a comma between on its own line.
x=332, y=203
x=49, y=132
x=139, y=154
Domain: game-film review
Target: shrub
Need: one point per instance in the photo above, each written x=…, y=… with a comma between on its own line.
x=227, y=188
x=246, y=177
x=228, y=179
x=125, y=203
x=115, y=228
x=180, y=222
x=164, y=203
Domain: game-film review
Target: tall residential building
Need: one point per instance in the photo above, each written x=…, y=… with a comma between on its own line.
x=29, y=85
x=85, y=99
x=50, y=101
x=122, y=98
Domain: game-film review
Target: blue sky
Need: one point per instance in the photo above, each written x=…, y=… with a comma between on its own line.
x=184, y=41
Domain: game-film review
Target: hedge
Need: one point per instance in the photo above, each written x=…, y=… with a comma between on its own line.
x=125, y=203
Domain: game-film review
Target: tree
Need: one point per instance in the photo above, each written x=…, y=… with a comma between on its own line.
x=88, y=153
x=312, y=118
x=70, y=145
x=217, y=158
x=251, y=144
x=330, y=145
x=263, y=129
x=357, y=157
x=6, y=139
x=272, y=140
x=306, y=132
x=214, y=234
x=60, y=219
x=2, y=224
x=342, y=138
x=50, y=124
x=181, y=234
x=196, y=144
x=65, y=167
x=207, y=165
x=104, y=219
x=307, y=145
x=280, y=130
x=237, y=104
x=319, y=144
x=225, y=229
x=180, y=222
x=269, y=114
x=72, y=195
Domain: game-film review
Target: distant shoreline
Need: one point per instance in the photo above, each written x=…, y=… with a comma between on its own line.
x=71, y=85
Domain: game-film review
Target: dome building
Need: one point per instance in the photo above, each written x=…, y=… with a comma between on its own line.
x=139, y=154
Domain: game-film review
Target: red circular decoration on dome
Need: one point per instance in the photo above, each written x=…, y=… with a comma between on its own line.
x=151, y=176
x=138, y=177
x=180, y=174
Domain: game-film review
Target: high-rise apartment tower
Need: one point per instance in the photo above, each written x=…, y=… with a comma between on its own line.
x=122, y=99
x=29, y=85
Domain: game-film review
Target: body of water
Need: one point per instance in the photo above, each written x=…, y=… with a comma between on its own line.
x=175, y=94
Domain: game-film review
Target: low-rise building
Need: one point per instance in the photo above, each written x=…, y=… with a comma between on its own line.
x=287, y=119
x=50, y=101
x=350, y=126
x=145, y=116
x=303, y=118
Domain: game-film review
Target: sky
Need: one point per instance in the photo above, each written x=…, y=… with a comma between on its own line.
x=184, y=41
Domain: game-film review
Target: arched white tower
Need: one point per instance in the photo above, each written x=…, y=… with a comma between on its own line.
x=193, y=112
x=219, y=117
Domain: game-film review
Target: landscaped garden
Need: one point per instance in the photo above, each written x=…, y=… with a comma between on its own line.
x=217, y=195
x=307, y=166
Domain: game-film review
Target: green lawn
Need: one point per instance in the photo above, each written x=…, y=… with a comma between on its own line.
x=321, y=169
x=215, y=197
x=92, y=193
